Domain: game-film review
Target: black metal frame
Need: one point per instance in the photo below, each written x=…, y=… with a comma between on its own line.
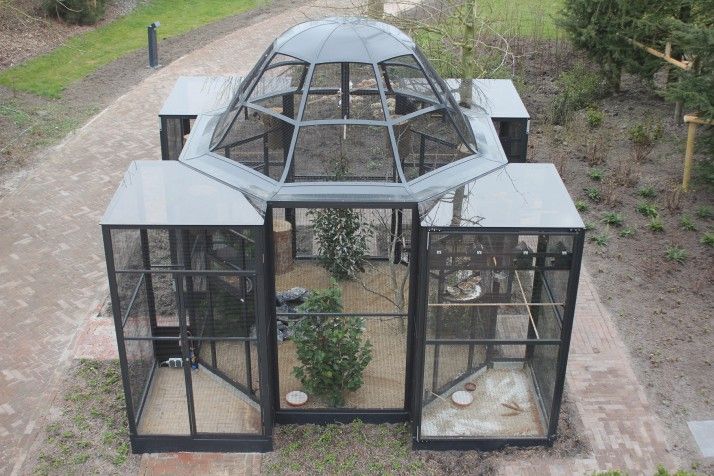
x=195, y=441
x=340, y=415
x=266, y=326
x=488, y=443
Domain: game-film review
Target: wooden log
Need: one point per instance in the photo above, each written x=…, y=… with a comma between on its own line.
x=283, y=250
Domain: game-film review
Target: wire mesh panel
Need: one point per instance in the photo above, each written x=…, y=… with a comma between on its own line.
x=428, y=141
x=493, y=332
x=258, y=140
x=373, y=309
x=343, y=91
x=343, y=153
x=187, y=298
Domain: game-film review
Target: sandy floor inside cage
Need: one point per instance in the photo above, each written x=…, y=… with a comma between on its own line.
x=384, y=376
x=219, y=407
x=504, y=405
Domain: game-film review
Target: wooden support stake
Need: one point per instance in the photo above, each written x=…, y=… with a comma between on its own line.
x=686, y=65
x=530, y=315
x=692, y=122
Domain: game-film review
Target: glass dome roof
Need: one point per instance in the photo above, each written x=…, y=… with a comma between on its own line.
x=346, y=101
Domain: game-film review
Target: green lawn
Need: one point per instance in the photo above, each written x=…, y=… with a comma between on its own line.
x=521, y=17
x=81, y=55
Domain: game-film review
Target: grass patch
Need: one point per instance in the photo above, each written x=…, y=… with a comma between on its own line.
x=648, y=210
x=357, y=448
x=581, y=206
x=612, y=219
x=530, y=18
x=596, y=174
x=656, y=225
x=676, y=253
x=705, y=212
x=708, y=239
x=593, y=194
x=48, y=75
x=686, y=223
x=601, y=240
x=627, y=232
x=647, y=192
x=91, y=435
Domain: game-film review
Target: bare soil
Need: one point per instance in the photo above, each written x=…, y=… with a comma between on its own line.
x=29, y=123
x=662, y=308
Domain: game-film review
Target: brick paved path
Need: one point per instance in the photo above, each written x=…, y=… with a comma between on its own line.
x=52, y=274
x=52, y=281
x=619, y=423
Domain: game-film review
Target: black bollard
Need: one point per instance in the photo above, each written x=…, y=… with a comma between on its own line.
x=153, y=45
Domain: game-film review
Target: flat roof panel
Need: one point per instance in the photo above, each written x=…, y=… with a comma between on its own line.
x=168, y=193
x=499, y=98
x=515, y=196
x=194, y=95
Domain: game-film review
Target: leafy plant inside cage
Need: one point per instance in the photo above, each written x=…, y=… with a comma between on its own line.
x=331, y=349
x=342, y=240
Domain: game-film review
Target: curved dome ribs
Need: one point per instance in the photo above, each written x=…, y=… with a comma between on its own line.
x=343, y=100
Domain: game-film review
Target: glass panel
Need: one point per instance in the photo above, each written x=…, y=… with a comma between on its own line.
x=223, y=402
x=374, y=302
x=325, y=100
x=427, y=142
x=138, y=320
x=406, y=87
x=343, y=153
x=259, y=141
x=284, y=74
x=544, y=364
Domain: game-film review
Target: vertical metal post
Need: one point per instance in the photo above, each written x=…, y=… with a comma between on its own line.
x=153, y=45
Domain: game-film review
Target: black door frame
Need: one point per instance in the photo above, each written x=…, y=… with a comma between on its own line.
x=339, y=415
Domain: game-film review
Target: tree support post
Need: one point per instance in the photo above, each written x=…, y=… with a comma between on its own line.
x=692, y=122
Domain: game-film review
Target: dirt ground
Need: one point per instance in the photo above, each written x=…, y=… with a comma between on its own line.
x=29, y=124
x=662, y=308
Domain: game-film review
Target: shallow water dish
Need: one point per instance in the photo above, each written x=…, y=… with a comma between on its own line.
x=296, y=398
x=470, y=386
x=462, y=398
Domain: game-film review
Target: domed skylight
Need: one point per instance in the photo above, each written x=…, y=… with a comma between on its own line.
x=343, y=100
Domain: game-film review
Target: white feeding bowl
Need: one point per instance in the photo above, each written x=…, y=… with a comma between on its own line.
x=296, y=398
x=462, y=398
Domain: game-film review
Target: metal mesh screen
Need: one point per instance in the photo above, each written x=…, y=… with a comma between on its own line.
x=427, y=142
x=343, y=153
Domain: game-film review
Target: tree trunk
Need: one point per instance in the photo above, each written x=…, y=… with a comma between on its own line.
x=467, y=54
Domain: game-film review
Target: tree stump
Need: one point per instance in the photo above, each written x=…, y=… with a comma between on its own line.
x=283, y=240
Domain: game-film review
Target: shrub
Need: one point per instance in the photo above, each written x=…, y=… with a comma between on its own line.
x=647, y=192
x=581, y=206
x=648, y=210
x=78, y=12
x=341, y=239
x=601, y=239
x=593, y=194
x=596, y=174
x=644, y=137
x=612, y=219
x=331, y=349
x=687, y=224
x=627, y=232
x=705, y=212
x=676, y=253
x=656, y=225
x=594, y=117
x=579, y=88
x=708, y=239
